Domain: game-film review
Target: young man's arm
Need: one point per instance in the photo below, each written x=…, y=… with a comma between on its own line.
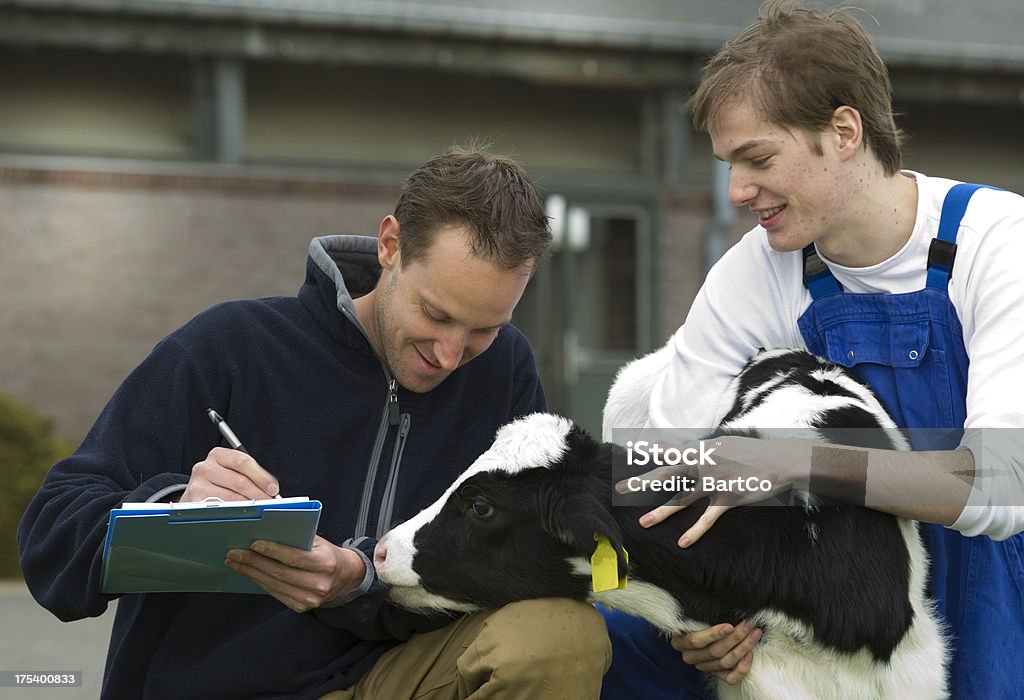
x=927, y=486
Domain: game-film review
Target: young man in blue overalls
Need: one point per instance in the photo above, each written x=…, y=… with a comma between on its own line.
x=911, y=281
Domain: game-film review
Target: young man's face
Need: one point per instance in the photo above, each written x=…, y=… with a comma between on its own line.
x=798, y=195
x=440, y=311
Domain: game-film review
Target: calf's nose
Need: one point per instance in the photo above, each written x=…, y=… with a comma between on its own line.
x=380, y=553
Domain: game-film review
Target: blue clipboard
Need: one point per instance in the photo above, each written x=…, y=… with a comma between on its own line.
x=164, y=548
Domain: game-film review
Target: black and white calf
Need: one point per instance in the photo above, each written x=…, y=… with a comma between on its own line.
x=838, y=591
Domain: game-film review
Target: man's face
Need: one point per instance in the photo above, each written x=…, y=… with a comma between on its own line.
x=799, y=195
x=438, y=312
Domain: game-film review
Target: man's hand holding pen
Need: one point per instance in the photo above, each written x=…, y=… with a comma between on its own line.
x=230, y=475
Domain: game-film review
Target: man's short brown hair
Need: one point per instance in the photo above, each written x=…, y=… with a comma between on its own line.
x=489, y=194
x=798, y=66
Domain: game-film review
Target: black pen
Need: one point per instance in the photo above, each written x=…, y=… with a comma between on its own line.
x=228, y=433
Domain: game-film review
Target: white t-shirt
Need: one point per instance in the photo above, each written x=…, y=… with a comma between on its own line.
x=754, y=295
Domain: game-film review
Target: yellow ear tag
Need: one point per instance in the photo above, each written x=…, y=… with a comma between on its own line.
x=604, y=566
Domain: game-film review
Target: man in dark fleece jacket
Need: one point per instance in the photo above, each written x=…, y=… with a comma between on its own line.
x=370, y=391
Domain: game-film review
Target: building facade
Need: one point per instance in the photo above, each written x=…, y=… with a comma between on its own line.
x=159, y=156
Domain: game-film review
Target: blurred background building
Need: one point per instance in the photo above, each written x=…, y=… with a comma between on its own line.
x=159, y=156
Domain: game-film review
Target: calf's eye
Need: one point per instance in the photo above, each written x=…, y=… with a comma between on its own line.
x=482, y=509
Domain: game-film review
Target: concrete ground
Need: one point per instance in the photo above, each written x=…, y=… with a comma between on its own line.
x=34, y=641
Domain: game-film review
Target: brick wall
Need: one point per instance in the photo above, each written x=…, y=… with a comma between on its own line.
x=95, y=269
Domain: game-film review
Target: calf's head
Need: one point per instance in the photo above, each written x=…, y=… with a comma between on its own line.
x=520, y=523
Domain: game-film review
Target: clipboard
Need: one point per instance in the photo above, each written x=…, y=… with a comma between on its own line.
x=180, y=548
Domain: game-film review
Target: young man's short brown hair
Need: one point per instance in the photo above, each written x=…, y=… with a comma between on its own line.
x=798, y=66
x=489, y=194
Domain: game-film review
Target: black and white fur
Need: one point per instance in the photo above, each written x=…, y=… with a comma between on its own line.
x=838, y=591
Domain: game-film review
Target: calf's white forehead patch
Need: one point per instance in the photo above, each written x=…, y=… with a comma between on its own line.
x=536, y=440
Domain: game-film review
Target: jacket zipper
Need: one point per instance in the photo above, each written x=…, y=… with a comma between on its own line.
x=389, y=418
x=387, y=504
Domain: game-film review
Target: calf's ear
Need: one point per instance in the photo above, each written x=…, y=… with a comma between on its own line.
x=577, y=518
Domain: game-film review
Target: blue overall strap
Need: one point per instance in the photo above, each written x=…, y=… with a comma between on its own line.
x=942, y=252
x=817, y=277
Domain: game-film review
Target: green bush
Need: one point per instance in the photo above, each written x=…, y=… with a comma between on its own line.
x=28, y=448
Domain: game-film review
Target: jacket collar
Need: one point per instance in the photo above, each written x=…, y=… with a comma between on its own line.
x=339, y=269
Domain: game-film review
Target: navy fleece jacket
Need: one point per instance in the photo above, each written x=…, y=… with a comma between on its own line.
x=299, y=382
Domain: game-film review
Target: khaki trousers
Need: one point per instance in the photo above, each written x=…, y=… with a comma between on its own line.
x=548, y=649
